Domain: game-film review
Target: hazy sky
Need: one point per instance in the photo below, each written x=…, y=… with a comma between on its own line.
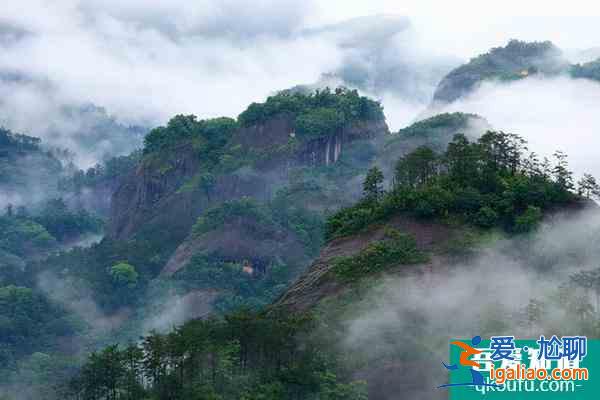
x=465, y=27
x=145, y=61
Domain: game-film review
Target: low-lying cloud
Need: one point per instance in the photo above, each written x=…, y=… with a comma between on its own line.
x=144, y=63
x=551, y=113
x=520, y=286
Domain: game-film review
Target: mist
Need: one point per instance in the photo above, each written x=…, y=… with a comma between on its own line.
x=139, y=64
x=551, y=113
x=79, y=65
x=410, y=319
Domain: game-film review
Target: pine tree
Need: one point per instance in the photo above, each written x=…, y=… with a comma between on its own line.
x=588, y=187
x=562, y=176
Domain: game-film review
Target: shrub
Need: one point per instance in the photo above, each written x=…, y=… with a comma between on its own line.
x=467, y=200
x=124, y=274
x=229, y=210
x=351, y=220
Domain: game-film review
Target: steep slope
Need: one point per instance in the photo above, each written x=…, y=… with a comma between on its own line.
x=240, y=231
x=434, y=257
x=320, y=282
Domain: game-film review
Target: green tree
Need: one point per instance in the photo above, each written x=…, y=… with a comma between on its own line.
x=462, y=161
x=562, y=175
x=486, y=217
x=124, y=274
x=588, y=187
x=529, y=220
x=416, y=168
x=373, y=185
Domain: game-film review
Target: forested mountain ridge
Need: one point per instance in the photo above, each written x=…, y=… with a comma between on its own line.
x=213, y=195
x=209, y=201
x=436, y=198
x=515, y=61
x=24, y=163
x=209, y=161
x=434, y=132
x=36, y=219
x=441, y=211
x=220, y=215
x=260, y=181
x=231, y=211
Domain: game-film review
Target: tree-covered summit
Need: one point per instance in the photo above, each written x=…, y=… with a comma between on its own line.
x=440, y=122
x=315, y=113
x=516, y=60
x=206, y=134
x=491, y=182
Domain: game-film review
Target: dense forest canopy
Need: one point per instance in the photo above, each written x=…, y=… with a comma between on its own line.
x=242, y=356
x=316, y=113
x=492, y=182
x=210, y=135
x=489, y=182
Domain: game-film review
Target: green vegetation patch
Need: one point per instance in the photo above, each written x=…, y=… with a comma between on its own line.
x=216, y=217
x=439, y=123
x=207, y=136
x=245, y=355
x=488, y=183
x=316, y=114
x=395, y=249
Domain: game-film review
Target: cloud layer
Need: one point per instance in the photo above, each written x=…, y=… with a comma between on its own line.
x=144, y=63
x=551, y=113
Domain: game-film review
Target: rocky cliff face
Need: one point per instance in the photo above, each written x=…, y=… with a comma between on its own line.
x=155, y=196
x=145, y=194
x=280, y=131
x=241, y=240
x=328, y=149
x=317, y=283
